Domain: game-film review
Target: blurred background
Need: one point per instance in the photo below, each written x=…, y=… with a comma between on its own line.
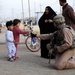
x=27, y=10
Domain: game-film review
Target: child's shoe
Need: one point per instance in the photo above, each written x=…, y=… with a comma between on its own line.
x=10, y=59
x=14, y=58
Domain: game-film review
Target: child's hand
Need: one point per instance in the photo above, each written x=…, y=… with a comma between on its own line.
x=14, y=41
x=29, y=31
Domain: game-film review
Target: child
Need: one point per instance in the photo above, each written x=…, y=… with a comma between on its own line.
x=10, y=41
x=17, y=32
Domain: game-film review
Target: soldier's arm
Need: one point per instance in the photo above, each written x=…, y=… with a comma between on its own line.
x=68, y=40
x=45, y=36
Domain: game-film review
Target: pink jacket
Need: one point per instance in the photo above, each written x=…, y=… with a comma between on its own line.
x=17, y=32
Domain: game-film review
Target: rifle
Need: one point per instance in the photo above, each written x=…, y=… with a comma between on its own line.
x=50, y=54
x=51, y=49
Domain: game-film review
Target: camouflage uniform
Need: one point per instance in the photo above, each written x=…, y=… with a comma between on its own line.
x=64, y=44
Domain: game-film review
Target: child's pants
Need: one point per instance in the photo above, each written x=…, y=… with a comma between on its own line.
x=16, y=49
x=11, y=50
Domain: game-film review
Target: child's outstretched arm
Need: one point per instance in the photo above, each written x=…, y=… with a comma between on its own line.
x=22, y=31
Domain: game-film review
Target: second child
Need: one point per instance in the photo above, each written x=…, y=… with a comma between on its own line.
x=16, y=32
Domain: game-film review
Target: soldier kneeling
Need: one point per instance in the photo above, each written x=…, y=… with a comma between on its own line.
x=63, y=43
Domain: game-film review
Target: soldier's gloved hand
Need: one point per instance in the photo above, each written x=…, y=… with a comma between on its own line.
x=33, y=35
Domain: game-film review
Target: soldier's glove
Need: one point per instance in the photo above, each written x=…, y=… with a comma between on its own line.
x=33, y=35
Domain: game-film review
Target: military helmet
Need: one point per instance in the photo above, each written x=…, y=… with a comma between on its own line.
x=59, y=19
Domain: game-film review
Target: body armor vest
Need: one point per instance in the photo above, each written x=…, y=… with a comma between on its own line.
x=59, y=36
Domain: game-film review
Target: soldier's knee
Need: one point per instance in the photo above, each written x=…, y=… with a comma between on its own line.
x=59, y=66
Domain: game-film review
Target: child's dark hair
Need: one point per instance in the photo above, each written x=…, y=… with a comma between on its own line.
x=9, y=23
x=16, y=21
x=63, y=1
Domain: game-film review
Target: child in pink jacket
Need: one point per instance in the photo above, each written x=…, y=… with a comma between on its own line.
x=17, y=32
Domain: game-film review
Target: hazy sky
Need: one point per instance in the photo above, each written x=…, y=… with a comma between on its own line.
x=13, y=8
